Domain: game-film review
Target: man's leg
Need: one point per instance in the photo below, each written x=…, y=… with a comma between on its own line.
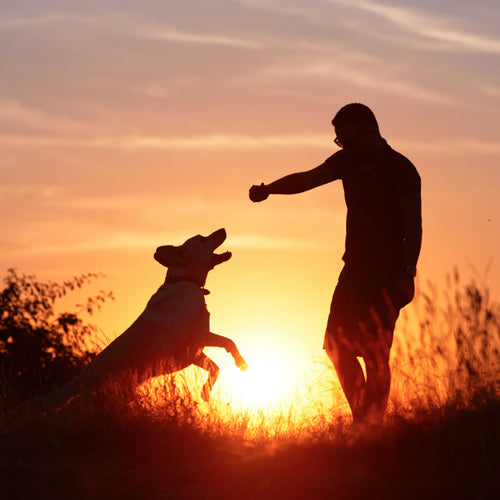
x=350, y=375
x=382, y=321
x=345, y=362
x=378, y=385
x=383, y=316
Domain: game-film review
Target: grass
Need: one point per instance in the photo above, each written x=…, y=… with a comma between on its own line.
x=440, y=439
x=137, y=454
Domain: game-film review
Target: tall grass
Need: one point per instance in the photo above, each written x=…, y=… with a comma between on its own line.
x=447, y=349
x=446, y=355
x=440, y=439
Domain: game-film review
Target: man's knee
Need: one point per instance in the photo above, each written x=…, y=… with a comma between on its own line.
x=341, y=355
x=333, y=348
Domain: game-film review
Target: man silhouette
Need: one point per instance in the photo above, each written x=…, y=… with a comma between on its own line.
x=383, y=239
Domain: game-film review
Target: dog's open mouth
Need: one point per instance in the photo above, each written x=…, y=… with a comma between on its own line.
x=217, y=238
x=219, y=258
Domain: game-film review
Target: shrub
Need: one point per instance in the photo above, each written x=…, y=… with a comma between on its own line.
x=39, y=348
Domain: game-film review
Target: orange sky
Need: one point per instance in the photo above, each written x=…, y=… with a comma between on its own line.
x=125, y=125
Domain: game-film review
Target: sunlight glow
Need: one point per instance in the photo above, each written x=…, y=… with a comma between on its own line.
x=268, y=380
x=282, y=392
x=276, y=380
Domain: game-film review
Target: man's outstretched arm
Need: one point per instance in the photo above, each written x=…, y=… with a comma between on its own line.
x=294, y=183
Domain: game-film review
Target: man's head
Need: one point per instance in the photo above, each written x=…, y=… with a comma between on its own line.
x=353, y=121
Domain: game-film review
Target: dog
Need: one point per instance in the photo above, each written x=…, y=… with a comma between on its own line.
x=172, y=331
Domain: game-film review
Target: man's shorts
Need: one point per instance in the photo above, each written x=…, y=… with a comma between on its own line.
x=363, y=313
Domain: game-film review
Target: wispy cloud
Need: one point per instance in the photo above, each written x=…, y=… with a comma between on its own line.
x=107, y=241
x=423, y=24
x=234, y=142
x=210, y=141
x=29, y=191
x=110, y=241
x=256, y=241
x=173, y=35
x=126, y=23
x=130, y=240
x=135, y=240
x=462, y=146
x=44, y=19
x=15, y=113
x=372, y=77
x=490, y=90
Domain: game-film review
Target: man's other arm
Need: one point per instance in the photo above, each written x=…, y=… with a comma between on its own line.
x=411, y=209
x=412, y=220
x=295, y=183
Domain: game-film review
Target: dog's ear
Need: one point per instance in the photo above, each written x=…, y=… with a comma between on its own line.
x=219, y=258
x=169, y=255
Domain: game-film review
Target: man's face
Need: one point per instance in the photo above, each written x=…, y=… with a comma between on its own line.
x=346, y=135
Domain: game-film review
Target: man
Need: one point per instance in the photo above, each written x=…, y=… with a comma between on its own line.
x=383, y=239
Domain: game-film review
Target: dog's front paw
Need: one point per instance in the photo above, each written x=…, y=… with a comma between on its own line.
x=241, y=363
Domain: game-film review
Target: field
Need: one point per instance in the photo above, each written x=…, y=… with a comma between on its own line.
x=440, y=439
x=141, y=453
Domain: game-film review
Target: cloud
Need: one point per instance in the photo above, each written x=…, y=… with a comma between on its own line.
x=262, y=242
x=132, y=240
x=103, y=242
x=228, y=141
x=209, y=141
x=29, y=192
x=42, y=19
x=490, y=90
x=462, y=146
x=15, y=114
x=426, y=25
x=469, y=41
x=172, y=35
x=375, y=77
x=234, y=142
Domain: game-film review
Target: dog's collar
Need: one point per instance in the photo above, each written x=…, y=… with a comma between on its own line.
x=177, y=279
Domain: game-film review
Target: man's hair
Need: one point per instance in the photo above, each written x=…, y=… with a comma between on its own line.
x=358, y=114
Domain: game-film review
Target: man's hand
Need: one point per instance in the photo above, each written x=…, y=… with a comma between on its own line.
x=258, y=193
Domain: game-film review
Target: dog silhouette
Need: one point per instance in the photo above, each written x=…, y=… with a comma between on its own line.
x=172, y=331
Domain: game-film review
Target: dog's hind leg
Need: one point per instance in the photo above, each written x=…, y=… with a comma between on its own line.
x=60, y=398
x=214, y=340
x=203, y=361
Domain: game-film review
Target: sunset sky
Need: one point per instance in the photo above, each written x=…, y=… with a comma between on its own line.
x=126, y=125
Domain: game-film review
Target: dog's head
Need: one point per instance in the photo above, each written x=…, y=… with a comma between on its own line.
x=194, y=258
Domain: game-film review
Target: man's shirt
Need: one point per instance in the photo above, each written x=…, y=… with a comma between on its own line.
x=375, y=178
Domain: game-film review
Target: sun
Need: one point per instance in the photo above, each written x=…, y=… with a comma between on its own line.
x=270, y=380
x=264, y=382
